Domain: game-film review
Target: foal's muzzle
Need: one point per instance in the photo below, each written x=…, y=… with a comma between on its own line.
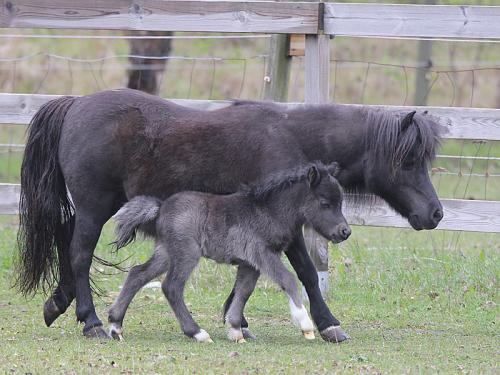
x=342, y=233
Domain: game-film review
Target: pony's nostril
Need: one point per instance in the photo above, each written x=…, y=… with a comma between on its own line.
x=438, y=215
x=345, y=232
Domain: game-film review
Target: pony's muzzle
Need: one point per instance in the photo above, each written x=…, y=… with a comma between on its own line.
x=437, y=215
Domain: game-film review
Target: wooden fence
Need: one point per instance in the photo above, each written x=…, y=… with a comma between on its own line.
x=319, y=21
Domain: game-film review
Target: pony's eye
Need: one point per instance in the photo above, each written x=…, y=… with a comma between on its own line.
x=409, y=164
x=325, y=204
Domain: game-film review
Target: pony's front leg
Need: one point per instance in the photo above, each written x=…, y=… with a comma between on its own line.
x=327, y=324
x=246, y=279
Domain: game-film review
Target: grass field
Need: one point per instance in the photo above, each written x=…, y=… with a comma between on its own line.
x=412, y=303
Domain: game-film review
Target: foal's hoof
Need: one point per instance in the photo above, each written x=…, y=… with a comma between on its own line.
x=50, y=311
x=309, y=335
x=334, y=334
x=203, y=336
x=116, y=332
x=247, y=334
x=235, y=335
x=96, y=332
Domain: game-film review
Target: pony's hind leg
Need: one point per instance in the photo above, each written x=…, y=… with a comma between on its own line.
x=92, y=212
x=277, y=271
x=137, y=277
x=246, y=278
x=179, y=269
x=64, y=293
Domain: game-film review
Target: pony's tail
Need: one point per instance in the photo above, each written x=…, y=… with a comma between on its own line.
x=138, y=212
x=45, y=209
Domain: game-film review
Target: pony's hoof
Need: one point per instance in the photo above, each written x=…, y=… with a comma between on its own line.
x=309, y=335
x=203, y=336
x=96, y=332
x=116, y=332
x=50, y=311
x=334, y=334
x=247, y=334
x=241, y=341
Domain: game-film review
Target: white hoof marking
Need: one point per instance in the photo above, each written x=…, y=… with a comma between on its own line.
x=202, y=336
x=301, y=318
x=116, y=331
x=309, y=335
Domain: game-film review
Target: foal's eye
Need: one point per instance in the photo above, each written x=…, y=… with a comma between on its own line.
x=325, y=204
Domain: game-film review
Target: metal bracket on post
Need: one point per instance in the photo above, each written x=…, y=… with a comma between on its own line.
x=317, y=82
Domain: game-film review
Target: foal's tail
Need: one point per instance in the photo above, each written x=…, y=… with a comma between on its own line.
x=45, y=209
x=138, y=212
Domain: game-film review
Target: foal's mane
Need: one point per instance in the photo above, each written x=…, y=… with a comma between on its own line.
x=279, y=181
x=387, y=142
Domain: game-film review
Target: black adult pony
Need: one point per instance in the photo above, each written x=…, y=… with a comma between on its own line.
x=108, y=147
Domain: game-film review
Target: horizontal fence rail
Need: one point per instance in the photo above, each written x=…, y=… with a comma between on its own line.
x=462, y=123
x=413, y=21
x=459, y=123
x=369, y=20
x=159, y=15
x=460, y=215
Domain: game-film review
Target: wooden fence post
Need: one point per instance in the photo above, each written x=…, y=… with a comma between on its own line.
x=422, y=78
x=277, y=69
x=317, y=80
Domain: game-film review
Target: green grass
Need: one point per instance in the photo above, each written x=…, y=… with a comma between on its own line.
x=412, y=303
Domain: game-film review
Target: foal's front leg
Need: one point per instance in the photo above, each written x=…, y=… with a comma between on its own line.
x=274, y=267
x=328, y=325
x=246, y=278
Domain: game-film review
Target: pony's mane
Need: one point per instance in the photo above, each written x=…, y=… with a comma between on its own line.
x=279, y=181
x=387, y=143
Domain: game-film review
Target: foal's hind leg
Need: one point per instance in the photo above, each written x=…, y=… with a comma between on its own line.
x=274, y=267
x=246, y=278
x=137, y=277
x=64, y=293
x=179, y=270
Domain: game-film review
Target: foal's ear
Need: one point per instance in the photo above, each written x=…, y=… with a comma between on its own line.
x=407, y=120
x=313, y=177
x=333, y=169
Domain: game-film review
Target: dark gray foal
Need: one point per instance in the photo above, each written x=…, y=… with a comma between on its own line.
x=249, y=228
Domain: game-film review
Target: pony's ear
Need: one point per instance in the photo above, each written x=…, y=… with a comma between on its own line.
x=313, y=177
x=333, y=169
x=407, y=120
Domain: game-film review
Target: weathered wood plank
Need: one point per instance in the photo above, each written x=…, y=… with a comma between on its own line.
x=424, y=21
x=159, y=15
x=9, y=199
x=278, y=69
x=317, y=69
x=462, y=215
x=461, y=123
x=317, y=86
